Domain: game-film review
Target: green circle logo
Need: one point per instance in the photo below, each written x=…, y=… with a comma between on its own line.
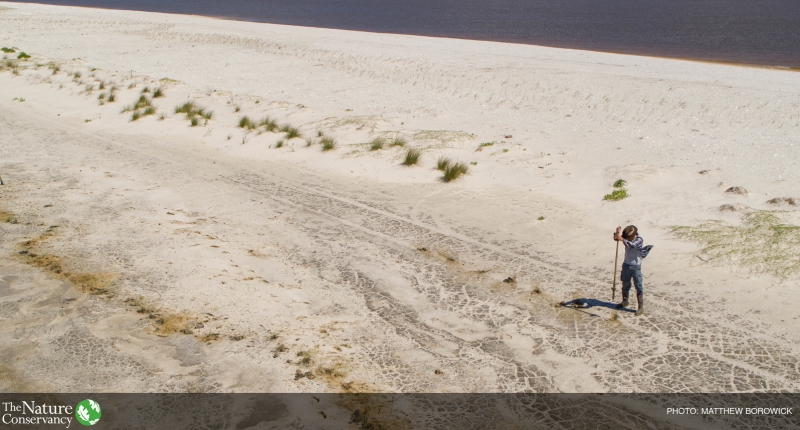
x=88, y=412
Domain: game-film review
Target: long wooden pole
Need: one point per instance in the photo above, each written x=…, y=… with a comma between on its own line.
x=614, y=288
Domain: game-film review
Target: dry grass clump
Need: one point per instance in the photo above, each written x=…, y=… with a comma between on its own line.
x=158, y=93
x=165, y=322
x=783, y=201
x=412, y=157
x=328, y=143
x=7, y=216
x=762, y=243
x=92, y=283
x=454, y=171
x=484, y=145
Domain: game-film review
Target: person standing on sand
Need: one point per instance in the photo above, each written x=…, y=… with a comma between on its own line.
x=632, y=266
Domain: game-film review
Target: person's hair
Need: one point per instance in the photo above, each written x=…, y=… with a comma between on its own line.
x=629, y=232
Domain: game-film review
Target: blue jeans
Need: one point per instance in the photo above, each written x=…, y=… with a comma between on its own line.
x=635, y=272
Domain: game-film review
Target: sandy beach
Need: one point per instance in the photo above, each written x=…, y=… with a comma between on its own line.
x=145, y=250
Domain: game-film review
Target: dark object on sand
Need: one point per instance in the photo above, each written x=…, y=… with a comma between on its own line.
x=736, y=190
x=577, y=303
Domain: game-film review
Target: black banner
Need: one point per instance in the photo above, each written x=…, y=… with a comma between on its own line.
x=401, y=411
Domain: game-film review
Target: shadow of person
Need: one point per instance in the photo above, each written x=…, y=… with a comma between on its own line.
x=591, y=303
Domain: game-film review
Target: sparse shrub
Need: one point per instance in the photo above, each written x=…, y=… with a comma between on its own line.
x=237, y=109
x=162, y=117
x=7, y=50
x=206, y=114
x=102, y=86
x=310, y=142
x=135, y=115
x=279, y=144
x=193, y=121
x=158, y=93
x=328, y=143
x=620, y=183
x=453, y=171
x=132, y=86
x=111, y=98
x=23, y=56
x=484, y=145
x=102, y=96
x=146, y=89
x=320, y=133
x=412, y=157
x=398, y=141
x=541, y=218
x=76, y=75
x=616, y=195
x=150, y=110
x=376, y=144
x=443, y=163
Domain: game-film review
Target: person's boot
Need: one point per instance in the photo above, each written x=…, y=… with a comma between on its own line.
x=624, y=301
x=640, y=299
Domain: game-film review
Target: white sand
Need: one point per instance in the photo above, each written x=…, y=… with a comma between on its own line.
x=322, y=249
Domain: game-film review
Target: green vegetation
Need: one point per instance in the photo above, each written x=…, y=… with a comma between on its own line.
x=23, y=56
x=443, y=163
x=146, y=89
x=619, y=193
x=398, y=141
x=328, y=143
x=279, y=144
x=454, y=171
x=291, y=132
x=158, y=93
x=377, y=144
x=246, y=123
x=7, y=50
x=616, y=195
x=268, y=124
x=142, y=107
x=484, y=145
x=763, y=243
x=192, y=111
x=412, y=157
x=541, y=218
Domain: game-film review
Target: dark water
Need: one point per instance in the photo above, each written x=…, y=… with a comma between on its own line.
x=763, y=32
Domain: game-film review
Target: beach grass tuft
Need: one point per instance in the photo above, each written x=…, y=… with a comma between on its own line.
x=268, y=124
x=763, y=242
x=398, y=141
x=279, y=144
x=454, y=171
x=377, y=144
x=246, y=123
x=412, y=157
x=443, y=163
x=23, y=56
x=328, y=143
x=620, y=183
x=158, y=93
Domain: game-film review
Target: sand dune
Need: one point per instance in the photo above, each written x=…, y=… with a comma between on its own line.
x=206, y=258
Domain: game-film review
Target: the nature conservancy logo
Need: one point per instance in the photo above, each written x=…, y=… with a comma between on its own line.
x=87, y=412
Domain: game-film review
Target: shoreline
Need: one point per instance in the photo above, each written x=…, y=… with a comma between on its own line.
x=643, y=54
x=196, y=251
